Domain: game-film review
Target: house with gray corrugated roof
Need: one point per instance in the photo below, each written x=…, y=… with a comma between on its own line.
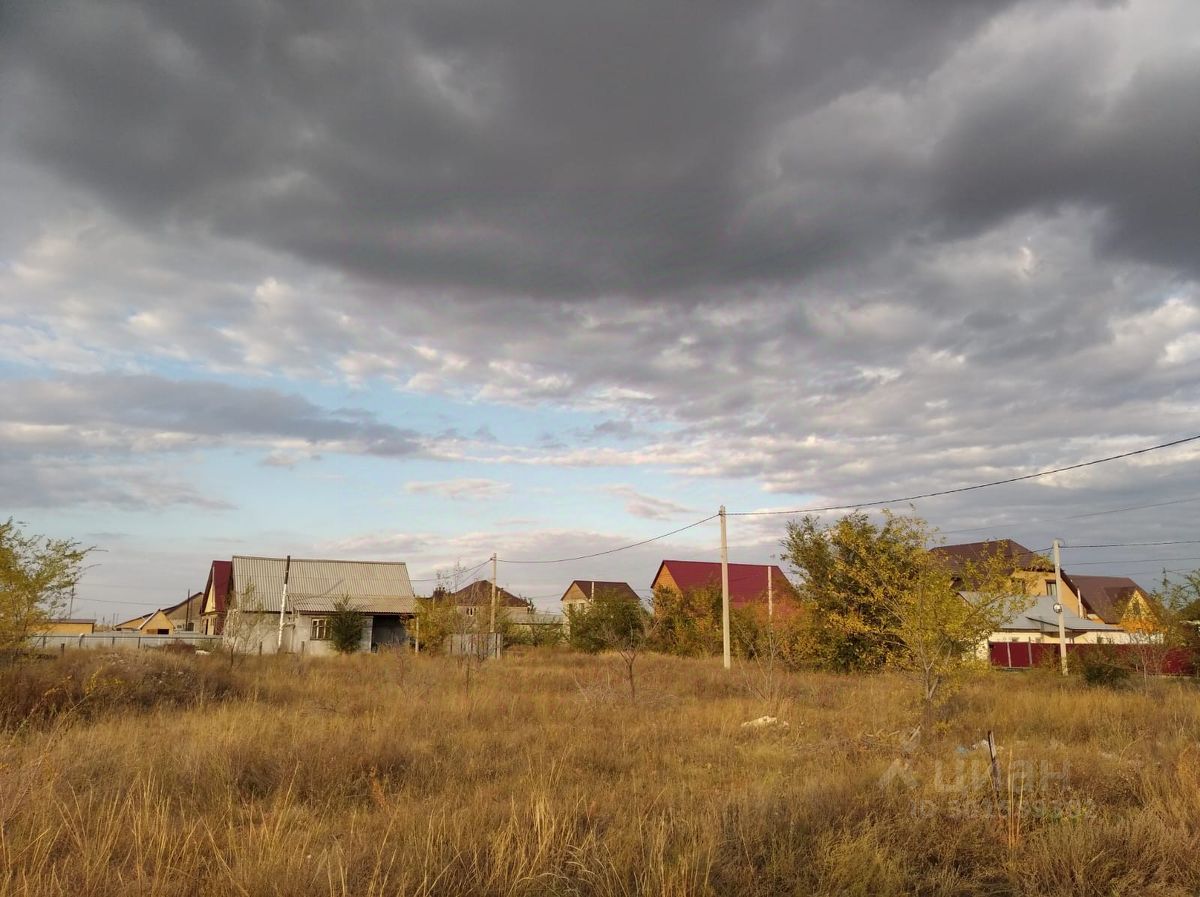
x=379, y=590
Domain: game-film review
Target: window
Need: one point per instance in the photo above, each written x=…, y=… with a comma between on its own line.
x=1051, y=588
x=320, y=629
x=470, y=611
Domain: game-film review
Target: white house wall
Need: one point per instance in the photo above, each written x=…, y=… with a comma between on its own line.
x=253, y=633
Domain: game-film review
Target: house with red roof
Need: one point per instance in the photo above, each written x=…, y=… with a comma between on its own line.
x=762, y=585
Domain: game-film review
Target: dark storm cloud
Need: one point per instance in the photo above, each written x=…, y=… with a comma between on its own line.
x=928, y=242
x=1051, y=137
x=533, y=148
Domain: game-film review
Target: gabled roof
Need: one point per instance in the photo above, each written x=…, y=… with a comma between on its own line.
x=959, y=557
x=747, y=582
x=1039, y=616
x=180, y=610
x=1105, y=596
x=591, y=587
x=480, y=593
x=315, y=585
x=151, y=617
x=219, y=575
x=135, y=622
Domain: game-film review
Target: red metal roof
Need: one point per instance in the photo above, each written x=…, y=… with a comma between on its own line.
x=219, y=575
x=747, y=582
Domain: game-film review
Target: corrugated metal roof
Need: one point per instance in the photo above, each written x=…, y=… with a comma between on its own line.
x=1106, y=596
x=959, y=557
x=747, y=582
x=591, y=587
x=480, y=593
x=1039, y=616
x=314, y=585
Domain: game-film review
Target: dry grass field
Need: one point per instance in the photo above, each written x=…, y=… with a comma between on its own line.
x=399, y=775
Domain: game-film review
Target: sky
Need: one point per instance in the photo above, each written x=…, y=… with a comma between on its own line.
x=432, y=280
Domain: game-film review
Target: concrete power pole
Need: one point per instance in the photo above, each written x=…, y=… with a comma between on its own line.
x=1058, y=605
x=770, y=595
x=287, y=569
x=725, y=591
x=493, y=627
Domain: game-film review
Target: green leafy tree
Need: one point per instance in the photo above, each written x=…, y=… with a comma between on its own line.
x=687, y=623
x=883, y=600
x=436, y=620
x=852, y=574
x=37, y=575
x=345, y=626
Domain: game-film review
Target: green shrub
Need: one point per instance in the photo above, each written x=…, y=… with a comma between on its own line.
x=345, y=627
x=1102, y=667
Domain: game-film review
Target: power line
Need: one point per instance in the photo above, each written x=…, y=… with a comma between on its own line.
x=972, y=488
x=1130, y=561
x=1157, y=504
x=1137, y=544
x=473, y=570
x=584, y=557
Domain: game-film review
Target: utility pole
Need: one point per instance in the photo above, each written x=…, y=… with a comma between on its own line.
x=724, y=591
x=493, y=627
x=1058, y=606
x=770, y=595
x=287, y=569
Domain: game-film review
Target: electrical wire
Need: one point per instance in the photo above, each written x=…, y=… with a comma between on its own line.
x=1131, y=561
x=976, y=486
x=584, y=557
x=1137, y=544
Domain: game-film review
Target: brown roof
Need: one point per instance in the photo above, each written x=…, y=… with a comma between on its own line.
x=1105, y=596
x=480, y=593
x=959, y=557
x=591, y=587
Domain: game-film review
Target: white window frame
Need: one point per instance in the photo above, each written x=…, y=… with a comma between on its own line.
x=319, y=629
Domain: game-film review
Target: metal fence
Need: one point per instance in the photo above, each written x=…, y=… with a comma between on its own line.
x=1027, y=655
x=123, y=641
x=475, y=644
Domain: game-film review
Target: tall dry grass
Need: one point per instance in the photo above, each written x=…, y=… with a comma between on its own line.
x=390, y=775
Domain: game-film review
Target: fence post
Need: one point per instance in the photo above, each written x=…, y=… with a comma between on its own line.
x=62, y=649
x=1008, y=653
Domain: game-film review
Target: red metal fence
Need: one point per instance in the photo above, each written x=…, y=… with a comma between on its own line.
x=1025, y=655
